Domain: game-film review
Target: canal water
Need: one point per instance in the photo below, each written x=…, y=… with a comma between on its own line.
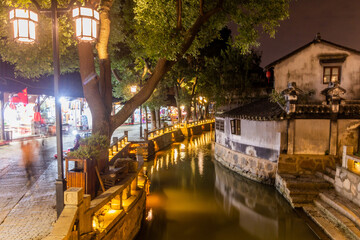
x=194, y=197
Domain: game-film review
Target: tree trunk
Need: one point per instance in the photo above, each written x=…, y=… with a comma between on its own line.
x=153, y=119
x=177, y=99
x=158, y=119
x=188, y=112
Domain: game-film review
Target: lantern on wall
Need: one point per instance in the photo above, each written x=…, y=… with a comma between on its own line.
x=24, y=22
x=86, y=21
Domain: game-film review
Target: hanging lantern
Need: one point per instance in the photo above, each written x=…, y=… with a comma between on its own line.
x=133, y=89
x=86, y=20
x=24, y=22
x=268, y=74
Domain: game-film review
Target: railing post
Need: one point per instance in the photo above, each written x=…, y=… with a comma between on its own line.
x=126, y=134
x=85, y=220
x=347, y=150
x=116, y=202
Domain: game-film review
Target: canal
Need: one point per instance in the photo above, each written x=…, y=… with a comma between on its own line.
x=194, y=197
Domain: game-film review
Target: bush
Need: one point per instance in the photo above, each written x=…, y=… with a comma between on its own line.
x=91, y=147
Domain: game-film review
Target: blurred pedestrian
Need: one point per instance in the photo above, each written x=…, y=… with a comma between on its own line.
x=28, y=150
x=76, y=143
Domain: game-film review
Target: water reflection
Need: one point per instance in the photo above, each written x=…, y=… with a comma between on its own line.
x=193, y=197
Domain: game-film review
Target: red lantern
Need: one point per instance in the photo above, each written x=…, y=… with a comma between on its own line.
x=37, y=117
x=268, y=74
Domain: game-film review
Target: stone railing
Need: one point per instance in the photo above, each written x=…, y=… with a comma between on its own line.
x=104, y=215
x=348, y=154
x=118, y=145
x=150, y=135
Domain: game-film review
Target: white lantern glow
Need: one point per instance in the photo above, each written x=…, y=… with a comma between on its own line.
x=24, y=23
x=133, y=89
x=86, y=21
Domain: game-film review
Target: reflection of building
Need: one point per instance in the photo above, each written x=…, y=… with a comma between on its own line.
x=262, y=213
x=318, y=111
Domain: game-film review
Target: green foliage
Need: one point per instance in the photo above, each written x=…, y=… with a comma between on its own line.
x=229, y=75
x=277, y=97
x=91, y=147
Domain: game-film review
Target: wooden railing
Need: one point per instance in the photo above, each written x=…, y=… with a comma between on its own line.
x=82, y=218
x=118, y=144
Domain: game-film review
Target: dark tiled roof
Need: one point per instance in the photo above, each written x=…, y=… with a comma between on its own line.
x=261, y=110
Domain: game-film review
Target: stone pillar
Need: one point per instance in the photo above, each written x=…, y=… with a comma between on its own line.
x=291, y=136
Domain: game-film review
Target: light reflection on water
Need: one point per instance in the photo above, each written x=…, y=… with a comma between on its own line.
x=194, y=197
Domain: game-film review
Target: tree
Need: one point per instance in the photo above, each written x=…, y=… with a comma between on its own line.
x=163, y=30
x=226, y=76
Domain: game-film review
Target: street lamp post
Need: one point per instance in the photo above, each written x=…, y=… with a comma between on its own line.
x=24, y=22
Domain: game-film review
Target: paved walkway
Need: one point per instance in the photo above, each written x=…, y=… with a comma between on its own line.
x=28, y=210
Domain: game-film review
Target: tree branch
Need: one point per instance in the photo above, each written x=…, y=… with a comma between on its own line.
x=179, y=12
x=162, y=67
x=116, y=75
x=196, y=27
x=201, y=7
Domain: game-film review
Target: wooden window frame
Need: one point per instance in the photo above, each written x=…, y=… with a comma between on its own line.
x=219, y=125
x=331, y=74
x=235, y=126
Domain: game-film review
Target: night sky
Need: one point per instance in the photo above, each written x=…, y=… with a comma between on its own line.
x=337, y=21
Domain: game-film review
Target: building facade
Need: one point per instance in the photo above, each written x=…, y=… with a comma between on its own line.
x=317, y=112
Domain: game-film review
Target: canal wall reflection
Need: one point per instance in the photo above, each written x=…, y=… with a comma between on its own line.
x=262, y=212
x=193, y=197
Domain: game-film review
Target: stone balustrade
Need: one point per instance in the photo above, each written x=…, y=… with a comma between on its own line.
x=116, y=213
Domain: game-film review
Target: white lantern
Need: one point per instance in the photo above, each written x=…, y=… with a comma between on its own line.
x=133, y=89
x=24, y=22
x=86, y=21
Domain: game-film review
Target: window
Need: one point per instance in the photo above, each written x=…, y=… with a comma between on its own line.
x=219, y=125
x=235, y=127
x=331, y=74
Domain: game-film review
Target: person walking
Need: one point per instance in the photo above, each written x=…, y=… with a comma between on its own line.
x=28, y=150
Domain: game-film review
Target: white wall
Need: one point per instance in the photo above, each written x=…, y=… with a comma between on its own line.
x=305, y=69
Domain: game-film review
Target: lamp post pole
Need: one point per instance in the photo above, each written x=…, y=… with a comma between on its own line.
x=60, y=182
x=140, y=114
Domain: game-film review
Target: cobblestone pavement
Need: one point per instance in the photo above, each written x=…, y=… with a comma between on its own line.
x=28, y=209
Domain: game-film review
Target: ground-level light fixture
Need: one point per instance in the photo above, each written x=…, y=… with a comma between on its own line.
x=86, y=21
x=24, y=23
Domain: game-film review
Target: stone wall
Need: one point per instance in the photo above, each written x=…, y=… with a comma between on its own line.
x=130, y=225
x=258, y=169
x=312, y=136
x=305, y=164
x=347, y=184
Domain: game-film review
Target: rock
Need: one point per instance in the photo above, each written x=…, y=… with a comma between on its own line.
x=346, y=184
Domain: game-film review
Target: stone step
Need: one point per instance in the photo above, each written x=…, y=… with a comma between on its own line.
x=328, y=227
x=329, y=178
x=342, y=205
x=307, y=183
x=330, y=171
x=345, y=224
